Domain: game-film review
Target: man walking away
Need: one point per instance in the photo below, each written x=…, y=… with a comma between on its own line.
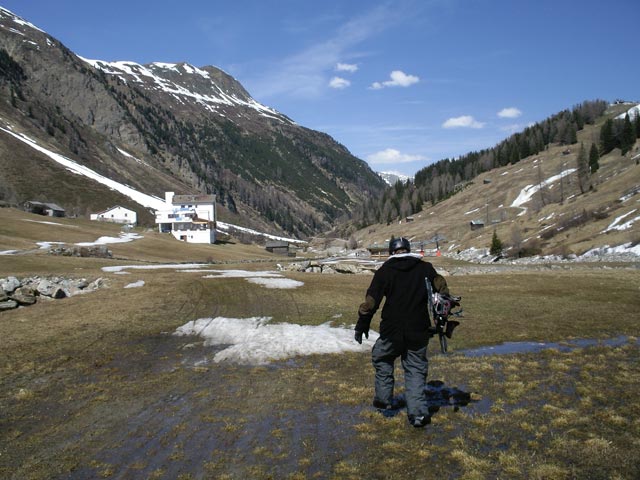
x=404, y=327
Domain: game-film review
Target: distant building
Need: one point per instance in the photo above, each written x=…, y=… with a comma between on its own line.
x=48, y=209
x=190, y=218
x=281, y=247
x=476, y=224
x=116, y=214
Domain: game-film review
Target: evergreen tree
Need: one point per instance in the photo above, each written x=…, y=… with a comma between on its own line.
x=594, y=157
x=496, y=244
x=607, y=137
x=637, y=124
x=572, y=135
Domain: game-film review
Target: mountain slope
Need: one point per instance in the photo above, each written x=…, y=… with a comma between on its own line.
x=535, y=206
x=162, y=127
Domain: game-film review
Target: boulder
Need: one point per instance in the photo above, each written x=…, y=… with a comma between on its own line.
x=8, y=305
x=9, y=284
x=24, y=296
x=46, y=287
x=346, y=268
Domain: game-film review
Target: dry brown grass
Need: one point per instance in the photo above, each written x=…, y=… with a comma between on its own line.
x=93, y=386
x=491, y=203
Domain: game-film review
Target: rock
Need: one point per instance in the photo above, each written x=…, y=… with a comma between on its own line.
x=46, y=287
x=328, y=270
x=59, y=293
x=24, y=295
x=10, y=284
x=346, y=268
x=96, y=284
x=26, y=291
x=8, y=305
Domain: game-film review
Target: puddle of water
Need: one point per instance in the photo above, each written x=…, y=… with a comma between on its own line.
x=507, y=348
x=438, y=395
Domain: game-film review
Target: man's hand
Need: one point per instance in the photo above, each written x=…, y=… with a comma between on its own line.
x=358, y=335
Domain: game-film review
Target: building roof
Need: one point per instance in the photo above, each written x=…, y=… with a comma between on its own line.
x=193, y=199
x=113, y=208
x=52, y=206
x=276, y=244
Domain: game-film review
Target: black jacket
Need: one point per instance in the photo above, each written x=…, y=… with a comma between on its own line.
x=401, y=280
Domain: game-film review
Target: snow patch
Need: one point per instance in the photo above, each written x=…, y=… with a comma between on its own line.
x=123, y=238
x=256, y=341
x=616, y=225
x=530, y=190
x=285, y=283
x=139, y=283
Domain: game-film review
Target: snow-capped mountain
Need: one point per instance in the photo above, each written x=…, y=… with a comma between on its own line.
x=391, y=178
x=164, y=127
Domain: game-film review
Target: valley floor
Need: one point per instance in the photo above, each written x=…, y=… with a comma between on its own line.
x=98, y=385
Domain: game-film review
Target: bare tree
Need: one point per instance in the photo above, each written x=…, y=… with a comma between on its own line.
x=584, y=180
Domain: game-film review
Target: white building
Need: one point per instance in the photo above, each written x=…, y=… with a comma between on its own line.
x=116, y=214
x=190, y=218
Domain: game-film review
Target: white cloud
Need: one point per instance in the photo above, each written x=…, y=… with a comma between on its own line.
x=465, y=121
x=398, y=79
x=303, y=74
x=340, y=83
x=510, y=112
x=346, y=67
x=391, y=155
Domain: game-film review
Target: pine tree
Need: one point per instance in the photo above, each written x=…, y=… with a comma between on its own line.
x=594, y=157
x=607, y=138
x=496, y=244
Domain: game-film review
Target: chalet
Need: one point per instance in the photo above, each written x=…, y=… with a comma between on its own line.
x=476, y=224
x=48, y=209
x=281, y=247
x=190, y=218
x=116, y=214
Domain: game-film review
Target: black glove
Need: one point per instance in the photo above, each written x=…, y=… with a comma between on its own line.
x=358, y=335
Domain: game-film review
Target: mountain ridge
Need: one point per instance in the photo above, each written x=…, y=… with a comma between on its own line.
x=193, y=129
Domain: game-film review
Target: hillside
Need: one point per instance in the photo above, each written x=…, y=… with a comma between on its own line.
x=162, y=127
x=535, y=206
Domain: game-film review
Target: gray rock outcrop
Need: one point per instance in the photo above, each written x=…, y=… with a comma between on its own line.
x=16, y=292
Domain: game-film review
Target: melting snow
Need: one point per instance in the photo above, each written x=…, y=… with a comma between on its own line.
x=124, y=238
x=276, y=282
x=256, y=341
x=266, y=279
x=530, y=190
x=139, y=283
x=615, y=225
x=144, y=200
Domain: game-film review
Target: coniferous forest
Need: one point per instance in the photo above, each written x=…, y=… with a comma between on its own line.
x=444, y=178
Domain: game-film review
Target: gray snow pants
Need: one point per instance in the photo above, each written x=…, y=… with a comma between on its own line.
x=415, y=365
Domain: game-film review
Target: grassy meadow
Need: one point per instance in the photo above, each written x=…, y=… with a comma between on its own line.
x=94, y=386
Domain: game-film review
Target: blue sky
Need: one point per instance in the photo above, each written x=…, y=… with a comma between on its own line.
x=400, y=83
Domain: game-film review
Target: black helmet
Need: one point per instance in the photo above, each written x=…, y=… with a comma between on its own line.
x=399, y=244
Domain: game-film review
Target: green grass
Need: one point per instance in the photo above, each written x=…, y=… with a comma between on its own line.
x=93, y=386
